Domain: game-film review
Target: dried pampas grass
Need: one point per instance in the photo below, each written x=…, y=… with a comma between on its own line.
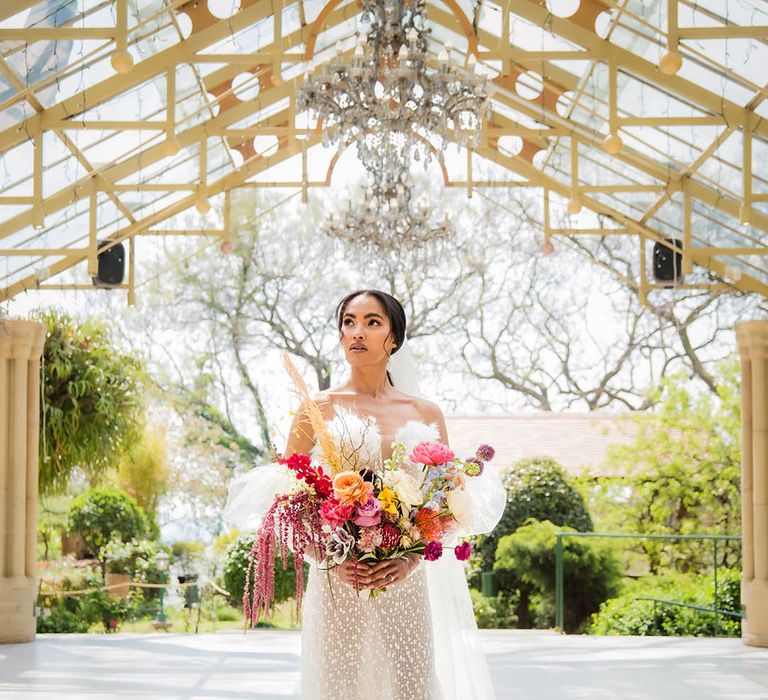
x=315, y=416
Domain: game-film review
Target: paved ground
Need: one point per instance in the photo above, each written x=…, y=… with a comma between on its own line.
x=264, y=664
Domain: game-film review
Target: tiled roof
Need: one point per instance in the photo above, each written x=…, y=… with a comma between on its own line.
x=575, y=440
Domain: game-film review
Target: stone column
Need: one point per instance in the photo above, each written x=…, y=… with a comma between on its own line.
x=21, y=345
x=752, y=338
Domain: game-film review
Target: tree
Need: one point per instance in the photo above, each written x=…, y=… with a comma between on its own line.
x=92, y=408
x=681, y=474
x=530, y=332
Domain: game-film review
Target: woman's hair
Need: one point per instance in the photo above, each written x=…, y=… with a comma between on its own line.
x=392, y=308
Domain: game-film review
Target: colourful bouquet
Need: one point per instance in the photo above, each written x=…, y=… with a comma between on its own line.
x=364, y=515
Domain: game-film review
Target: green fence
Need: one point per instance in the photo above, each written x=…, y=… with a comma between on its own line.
x=714, y=539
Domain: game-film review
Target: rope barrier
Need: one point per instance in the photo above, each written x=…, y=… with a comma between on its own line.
x=137, y=584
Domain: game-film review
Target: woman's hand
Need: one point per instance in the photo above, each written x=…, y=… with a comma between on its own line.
x=355, y=573
x=392, y=571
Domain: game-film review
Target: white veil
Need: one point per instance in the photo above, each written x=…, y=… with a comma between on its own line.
x=461, y=664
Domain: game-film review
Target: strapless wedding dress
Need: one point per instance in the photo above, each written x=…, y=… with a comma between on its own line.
x=377, y=649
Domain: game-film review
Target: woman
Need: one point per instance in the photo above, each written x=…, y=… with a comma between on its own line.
x=385, y=647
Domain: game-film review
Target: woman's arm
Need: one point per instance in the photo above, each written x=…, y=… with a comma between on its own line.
x=301, y=436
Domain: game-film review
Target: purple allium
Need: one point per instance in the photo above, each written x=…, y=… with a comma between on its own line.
x=485, y=453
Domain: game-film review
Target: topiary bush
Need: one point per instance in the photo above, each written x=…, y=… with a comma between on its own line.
x=591, y=572
x=100, y=515
x=626, y=615
x=236, y=564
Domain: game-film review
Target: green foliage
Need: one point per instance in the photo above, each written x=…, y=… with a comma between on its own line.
x=591, y=572
x=92, y=407
x=112, y=612
x=236, y=564
x=626, y=615
x=496, y=612
x=680, y=475
x=58, y=619
x=100, y=515
x=78, y=613
x=536, y=488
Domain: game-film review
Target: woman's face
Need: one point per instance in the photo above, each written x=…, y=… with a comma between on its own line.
x=365, y=332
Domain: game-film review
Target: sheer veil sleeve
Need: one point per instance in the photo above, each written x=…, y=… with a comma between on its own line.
x=251, y=494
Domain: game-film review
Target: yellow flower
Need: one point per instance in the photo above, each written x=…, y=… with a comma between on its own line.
x=388, y=500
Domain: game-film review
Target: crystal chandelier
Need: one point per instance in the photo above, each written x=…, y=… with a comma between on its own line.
x=389, y=101
x=386, y=220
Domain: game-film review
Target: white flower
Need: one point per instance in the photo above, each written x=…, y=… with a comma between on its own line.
x=460, y=504
x=339, y=545
x=406, y=488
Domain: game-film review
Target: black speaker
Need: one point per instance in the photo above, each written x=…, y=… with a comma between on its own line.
x=111, y=265
x=668, y=262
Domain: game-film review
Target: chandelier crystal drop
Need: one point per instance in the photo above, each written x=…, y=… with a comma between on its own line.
x=385, y=219
x=389, y=101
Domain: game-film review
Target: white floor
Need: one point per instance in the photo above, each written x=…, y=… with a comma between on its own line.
x=264, y=664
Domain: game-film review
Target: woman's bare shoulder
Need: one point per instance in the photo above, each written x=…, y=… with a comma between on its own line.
x=326, y=399
x=428, y=410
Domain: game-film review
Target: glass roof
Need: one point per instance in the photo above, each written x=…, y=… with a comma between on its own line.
x=212, y=84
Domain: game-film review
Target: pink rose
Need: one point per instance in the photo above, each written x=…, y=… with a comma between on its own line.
x=335, y=513
x=431, y=452
x=368, y=513
x=433, y=551
x=462, y=551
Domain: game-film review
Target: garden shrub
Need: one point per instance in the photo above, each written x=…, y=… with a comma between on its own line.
x=591, y=571
x=496, y=612
x=625, y=615
x=101, y=514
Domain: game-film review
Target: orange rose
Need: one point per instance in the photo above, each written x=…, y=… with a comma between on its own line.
x=349, y=487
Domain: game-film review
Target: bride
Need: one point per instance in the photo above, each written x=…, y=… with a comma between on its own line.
x=416, y=640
